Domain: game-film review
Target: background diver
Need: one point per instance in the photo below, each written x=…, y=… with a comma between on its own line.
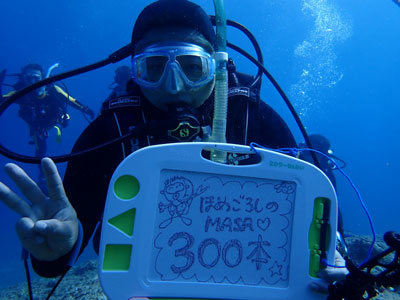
x=120, y=89
x=43, y=109
x=119, y=86
x=173, y=71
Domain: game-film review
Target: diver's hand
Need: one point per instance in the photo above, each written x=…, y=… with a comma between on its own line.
x=89, y=112
x=330, y=274
x=48, y=228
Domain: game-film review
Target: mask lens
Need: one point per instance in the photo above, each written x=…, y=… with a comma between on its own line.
x=191, y=63
x=192, y=66
x=155, y=66
x=32, y=78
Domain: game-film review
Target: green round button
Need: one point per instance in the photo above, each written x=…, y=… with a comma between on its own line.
x=126, y=187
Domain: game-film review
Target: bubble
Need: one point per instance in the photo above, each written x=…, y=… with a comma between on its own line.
x=315, y=55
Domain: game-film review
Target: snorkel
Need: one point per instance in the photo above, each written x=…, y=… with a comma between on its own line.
x=221, y=83
x=51, y=68
x=42, y=90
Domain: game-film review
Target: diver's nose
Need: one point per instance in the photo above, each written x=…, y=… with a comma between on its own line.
x=174, y=83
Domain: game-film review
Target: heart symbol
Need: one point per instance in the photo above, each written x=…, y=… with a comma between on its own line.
x=263, y=224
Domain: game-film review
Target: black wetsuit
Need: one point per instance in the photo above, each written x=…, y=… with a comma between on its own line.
x=86, y=179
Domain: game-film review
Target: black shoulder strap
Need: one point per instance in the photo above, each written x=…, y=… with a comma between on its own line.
x=244, y=100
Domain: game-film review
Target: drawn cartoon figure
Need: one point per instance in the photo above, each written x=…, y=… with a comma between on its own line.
x=285, y=188
x=179, y=193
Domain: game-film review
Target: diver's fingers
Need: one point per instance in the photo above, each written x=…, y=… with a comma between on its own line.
x=321, y=287
x=27, y=186
x=34, y=242
x=14, y=202
x=333, y=274
x=24, y=228
x=59, y=234
x=330, y=274
x=47, y=240
x=54, y=182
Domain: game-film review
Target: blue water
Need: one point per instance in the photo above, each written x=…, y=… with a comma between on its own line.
x=338, y=61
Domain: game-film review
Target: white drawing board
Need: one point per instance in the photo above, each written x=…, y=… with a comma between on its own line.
x=177, y=225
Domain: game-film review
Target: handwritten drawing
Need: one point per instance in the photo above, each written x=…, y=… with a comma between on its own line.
x=179, y=193
x=237, y=230
x=263, y=224
x=285, y=188
x=276, y=269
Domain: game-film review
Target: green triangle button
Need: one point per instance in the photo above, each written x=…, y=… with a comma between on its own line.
x=124, y=221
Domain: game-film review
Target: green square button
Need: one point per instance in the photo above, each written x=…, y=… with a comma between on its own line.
x=117, y=257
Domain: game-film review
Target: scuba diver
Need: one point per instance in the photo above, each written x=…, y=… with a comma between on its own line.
x=171, y=92
x=322, y=144
x=120, y=86
x=173, y=74
x=121, y=77
x=43, y=109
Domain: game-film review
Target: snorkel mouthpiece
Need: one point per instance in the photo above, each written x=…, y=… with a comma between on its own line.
x=221, y=83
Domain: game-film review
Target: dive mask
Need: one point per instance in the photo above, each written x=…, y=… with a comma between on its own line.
x=32, y=77
x=163, y=65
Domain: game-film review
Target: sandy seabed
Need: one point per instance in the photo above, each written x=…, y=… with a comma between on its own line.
x=82, y=281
